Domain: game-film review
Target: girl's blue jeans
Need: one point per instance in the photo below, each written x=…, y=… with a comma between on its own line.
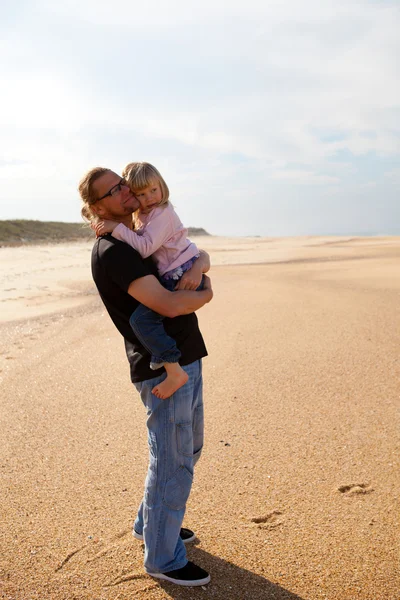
x=149, y=329
x=175, y=437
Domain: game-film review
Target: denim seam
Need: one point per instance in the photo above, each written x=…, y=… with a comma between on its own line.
x=163, y=482
x=165, y=458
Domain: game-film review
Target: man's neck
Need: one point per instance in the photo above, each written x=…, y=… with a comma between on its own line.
x=127, y=222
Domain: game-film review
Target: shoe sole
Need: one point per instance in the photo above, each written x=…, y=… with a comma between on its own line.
x=138, y=536
x=194, y=583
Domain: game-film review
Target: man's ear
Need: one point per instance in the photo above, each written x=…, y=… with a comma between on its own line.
x=97, y=209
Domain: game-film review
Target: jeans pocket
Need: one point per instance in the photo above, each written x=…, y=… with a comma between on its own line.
x=177, y=489
x=198, y=429
x=184, y=438
x=198, y=419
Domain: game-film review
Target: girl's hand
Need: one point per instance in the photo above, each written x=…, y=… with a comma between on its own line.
x=191, y=279
x=103, y=227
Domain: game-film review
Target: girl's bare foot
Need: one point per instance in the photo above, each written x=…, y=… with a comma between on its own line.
x=176, y=378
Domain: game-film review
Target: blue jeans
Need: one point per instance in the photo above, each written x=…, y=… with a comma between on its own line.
x=148, y=327
x=175, y=437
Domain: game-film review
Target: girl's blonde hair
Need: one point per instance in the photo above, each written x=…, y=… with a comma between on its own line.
x=140, y=175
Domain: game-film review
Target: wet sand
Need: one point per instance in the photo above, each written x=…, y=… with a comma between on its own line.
x=297, y=493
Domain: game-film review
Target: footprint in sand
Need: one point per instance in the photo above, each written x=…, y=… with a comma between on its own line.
x=102, y=552
x=355, y=488
x=68, y=558
x=270, y=520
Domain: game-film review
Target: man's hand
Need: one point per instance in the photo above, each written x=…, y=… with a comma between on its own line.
x=103, y=227
x=207, y=286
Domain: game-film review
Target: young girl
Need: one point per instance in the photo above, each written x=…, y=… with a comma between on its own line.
x=160, y=233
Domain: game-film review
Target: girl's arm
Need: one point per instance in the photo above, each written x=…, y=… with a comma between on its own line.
x=157, y=231
x=191, y=279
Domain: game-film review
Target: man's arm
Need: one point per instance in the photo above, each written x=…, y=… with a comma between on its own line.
x=149, y=291
x=204, y=261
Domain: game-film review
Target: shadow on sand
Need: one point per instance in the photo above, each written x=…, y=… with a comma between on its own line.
x=228, y=582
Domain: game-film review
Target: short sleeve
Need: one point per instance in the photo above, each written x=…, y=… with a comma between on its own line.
x=122, y=264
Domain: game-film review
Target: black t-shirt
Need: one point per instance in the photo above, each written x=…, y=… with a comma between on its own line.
x=114, y=266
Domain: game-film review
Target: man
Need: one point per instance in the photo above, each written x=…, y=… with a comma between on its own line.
x=175, y=425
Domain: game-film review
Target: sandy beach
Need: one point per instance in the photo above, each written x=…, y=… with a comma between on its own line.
x=297, y=494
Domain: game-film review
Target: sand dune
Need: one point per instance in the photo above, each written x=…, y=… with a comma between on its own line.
x=297, y=494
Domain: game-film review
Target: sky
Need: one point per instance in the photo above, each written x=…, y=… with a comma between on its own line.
x=264, y=117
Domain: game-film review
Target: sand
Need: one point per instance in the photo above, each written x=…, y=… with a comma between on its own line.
x=297, y=493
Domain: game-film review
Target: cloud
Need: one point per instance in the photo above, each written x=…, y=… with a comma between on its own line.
x=304, y=177
x=261, y=95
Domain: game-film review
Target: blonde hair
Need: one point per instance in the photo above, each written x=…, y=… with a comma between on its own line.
x=87, y=193
x=140, y=175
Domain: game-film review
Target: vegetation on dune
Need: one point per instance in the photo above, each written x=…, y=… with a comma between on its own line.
x=29, y=232
x=19, y=232
x=193, y=231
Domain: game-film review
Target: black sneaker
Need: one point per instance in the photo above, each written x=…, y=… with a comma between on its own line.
x=187, y=535
x=190, y=575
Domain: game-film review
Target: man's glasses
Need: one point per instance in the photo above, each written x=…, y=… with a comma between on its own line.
x=115, y=190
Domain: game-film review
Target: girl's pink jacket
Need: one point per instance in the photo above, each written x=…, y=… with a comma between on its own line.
x=162, y=235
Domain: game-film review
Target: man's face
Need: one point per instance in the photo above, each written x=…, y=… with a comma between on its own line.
x=118, y=205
